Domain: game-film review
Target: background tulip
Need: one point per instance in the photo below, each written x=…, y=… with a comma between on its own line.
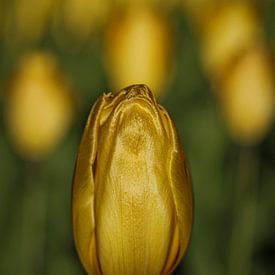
x=138, y=49
x=233, y=29
x=248, y=97
x=39, y=109
x=237, y=60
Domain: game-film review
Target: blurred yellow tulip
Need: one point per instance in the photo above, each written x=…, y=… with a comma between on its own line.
x=138, y=49
x=233, y=29
x=132, y=197
x=234, y=57
x=248, y=97
x=39, y=107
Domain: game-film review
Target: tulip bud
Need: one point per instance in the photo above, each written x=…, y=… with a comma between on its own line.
x=39, y=106
x=132, y=196
x=232, y=30
x=138, y=50
x=248, y=97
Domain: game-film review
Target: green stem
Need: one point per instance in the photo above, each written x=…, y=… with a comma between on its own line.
x=244, y=214
x=34, y=219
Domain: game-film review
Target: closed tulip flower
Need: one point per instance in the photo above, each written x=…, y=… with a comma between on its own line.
x=248, y=97
x=39, y=107
x=233, y=29
x=138, y=49
x=132, y=197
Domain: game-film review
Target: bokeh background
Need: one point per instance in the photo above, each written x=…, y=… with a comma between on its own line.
x=210, y=63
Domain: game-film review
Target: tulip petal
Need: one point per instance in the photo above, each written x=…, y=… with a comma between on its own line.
x=181, y=186
x=83, y=194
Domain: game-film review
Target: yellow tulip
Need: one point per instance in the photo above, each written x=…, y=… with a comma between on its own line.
x=233, y=29
x=132, y=197
x=39, y=107
x=248, y=97
x=138, y=50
